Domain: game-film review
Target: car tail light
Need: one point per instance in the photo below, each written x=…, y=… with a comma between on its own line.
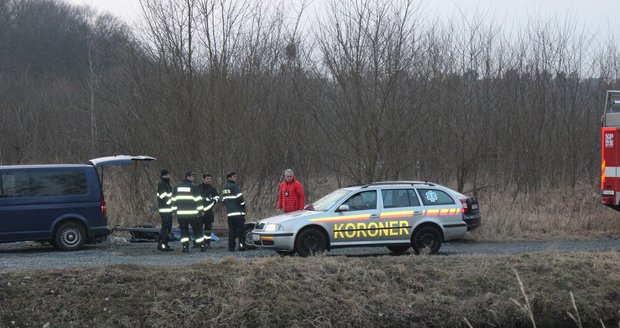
x=104, y=209
x=464, y=205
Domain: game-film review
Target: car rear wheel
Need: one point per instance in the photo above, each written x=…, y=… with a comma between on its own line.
x=398, y=250
x=427, y=239
x=310, y=242
x=70, y=236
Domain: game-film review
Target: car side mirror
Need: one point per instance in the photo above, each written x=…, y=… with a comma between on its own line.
x=343, y=208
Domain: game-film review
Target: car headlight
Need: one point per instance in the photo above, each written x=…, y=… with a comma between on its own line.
x=273, y=227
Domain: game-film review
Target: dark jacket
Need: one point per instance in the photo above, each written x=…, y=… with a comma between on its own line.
x=164, y=196
x=186, y=200
x=209, y=196
x=291, y=196
x=233, y=199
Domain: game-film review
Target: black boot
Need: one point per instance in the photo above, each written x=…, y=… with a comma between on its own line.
x=185, y=249
x=203, y=247
x=163, y=247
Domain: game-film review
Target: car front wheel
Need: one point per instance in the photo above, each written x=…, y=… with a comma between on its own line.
x=427, y=239
x=310, y=242
x=70, y=236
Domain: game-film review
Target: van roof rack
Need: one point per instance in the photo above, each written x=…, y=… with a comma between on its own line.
x=411, y=183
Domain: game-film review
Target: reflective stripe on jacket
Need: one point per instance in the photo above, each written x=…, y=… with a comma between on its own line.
x=209, y=196
x=186, y=200
x=164, y=196
x=233, y=199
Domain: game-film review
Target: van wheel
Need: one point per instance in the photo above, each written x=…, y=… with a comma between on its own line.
x=427, y=239
x=70, y=236
x=310, y=242
x=398, y=250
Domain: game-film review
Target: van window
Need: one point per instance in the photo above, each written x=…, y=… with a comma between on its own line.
x=42, y=183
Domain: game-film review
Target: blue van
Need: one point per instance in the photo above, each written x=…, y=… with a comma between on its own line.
x=59, y=203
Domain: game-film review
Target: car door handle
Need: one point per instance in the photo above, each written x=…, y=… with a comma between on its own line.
x=417, y=212
x=374, y=215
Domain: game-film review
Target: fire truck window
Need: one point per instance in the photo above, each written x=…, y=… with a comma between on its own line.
x=614, y=105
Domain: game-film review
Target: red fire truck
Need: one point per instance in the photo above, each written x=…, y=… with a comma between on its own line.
x=610, y=151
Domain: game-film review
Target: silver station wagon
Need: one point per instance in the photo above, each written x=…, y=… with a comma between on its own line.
x=396, y=214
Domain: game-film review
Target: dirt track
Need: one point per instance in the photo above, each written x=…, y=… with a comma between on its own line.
x=28, y=256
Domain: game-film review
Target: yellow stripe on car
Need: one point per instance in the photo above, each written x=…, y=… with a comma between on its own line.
x=393, y=215
x=343, y=218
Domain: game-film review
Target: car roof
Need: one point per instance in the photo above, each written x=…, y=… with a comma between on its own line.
x=393, y=183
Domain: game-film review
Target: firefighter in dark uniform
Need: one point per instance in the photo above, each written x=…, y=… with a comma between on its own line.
x=209, y=197
x=164, y=205
x=187, y=204
x=235, y=208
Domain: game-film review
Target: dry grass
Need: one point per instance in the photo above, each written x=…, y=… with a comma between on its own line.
x=546, y=214
x=405, y=291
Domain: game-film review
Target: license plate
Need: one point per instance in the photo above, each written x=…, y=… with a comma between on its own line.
x=474, y=206
x=255, y=237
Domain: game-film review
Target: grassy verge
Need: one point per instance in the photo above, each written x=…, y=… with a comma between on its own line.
x=425, y=291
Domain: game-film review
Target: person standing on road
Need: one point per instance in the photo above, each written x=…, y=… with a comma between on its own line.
x=291, y=196
x=235, y=209
x=209, y=197
x=187, y=203
x=164, y=206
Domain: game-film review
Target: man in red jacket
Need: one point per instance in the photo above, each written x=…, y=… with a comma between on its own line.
x=291, y=196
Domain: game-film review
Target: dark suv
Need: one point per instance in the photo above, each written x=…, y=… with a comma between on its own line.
x=59, y=203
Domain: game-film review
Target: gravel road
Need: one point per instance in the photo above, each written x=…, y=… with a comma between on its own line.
x=31, y=256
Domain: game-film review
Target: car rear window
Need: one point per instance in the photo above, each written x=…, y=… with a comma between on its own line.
x=399, y=198
x=435, y=197
x=42, y=183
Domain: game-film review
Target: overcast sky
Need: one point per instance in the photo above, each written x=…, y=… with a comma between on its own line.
x=599, y=17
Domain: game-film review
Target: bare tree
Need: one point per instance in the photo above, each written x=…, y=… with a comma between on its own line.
x=369, y=50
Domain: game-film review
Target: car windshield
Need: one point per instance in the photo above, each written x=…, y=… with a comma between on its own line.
x=329, y=200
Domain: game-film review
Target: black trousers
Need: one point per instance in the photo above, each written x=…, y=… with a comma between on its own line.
x=207, y=222
x=166, y=228
x=236, y=230
x=184, y=224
